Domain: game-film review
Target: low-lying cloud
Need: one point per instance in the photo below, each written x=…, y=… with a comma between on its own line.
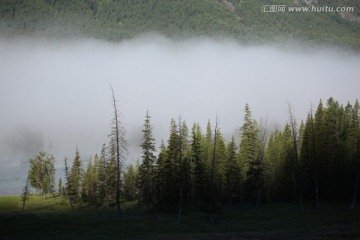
x=55, y=95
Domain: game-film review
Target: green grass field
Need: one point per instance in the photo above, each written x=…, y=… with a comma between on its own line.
x=52, y=218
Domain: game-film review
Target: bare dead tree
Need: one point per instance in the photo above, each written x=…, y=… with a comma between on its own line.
x=118, y=141
x=295, y=163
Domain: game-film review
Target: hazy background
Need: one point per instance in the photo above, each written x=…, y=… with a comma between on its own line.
x=55, y=95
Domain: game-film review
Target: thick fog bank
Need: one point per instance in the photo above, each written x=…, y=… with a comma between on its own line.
x=55, y=95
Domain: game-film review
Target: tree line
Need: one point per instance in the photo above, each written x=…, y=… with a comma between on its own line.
x=123, y=19
x=315, y=161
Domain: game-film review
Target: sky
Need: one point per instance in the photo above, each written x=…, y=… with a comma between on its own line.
x=55, y=95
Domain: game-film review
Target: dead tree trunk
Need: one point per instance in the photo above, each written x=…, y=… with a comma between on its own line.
x=116, y=141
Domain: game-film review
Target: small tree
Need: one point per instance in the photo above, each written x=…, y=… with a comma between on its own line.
x=42, y=173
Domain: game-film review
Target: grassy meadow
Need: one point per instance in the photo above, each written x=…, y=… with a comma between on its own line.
x=52, y=218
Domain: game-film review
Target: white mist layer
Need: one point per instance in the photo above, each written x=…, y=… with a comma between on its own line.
x=56, y=96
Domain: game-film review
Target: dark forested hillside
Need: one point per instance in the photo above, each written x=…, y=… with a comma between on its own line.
x=241, y=19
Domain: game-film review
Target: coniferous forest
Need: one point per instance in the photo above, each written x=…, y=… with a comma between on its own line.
x=72, y=168
x=308, y=162
x=121, y=19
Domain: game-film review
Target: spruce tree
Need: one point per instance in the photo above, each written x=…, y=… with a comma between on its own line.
x=186, y=163
x=200, y=190
x=248, y=155
x=232, y=175
x=160, y=173
x=171, y=168
x=75, y=178
x=335, y=153
x=219, y=167
x=146, y=171
x=320, y=153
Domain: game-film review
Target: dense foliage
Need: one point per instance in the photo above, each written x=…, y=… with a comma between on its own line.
x=320, y=160
x=122, y=19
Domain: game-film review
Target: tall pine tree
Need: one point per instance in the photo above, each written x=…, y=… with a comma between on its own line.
x=233, y=177
x=248, y=155
x=199, y=179
x=146, y=171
